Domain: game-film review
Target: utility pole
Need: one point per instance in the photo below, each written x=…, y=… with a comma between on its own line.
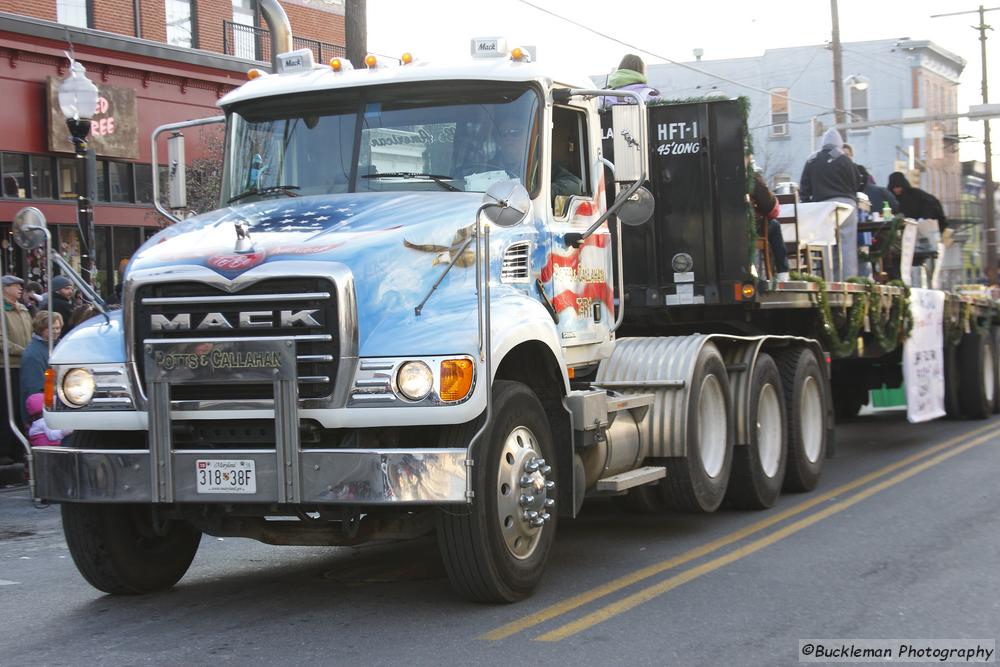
x=838, y=68
x=356, y=31
x=989, y=217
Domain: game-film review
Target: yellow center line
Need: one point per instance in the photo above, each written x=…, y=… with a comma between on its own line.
x=647, y=594
x=625, y=581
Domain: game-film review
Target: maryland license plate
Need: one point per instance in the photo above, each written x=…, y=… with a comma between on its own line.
x=225, y=476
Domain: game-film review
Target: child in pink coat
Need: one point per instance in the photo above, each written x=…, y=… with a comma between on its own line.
x=39, y=434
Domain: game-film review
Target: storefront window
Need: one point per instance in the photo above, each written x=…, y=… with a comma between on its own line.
x=102, y=180
x=67, y=178
x=143, y=183
x=14, y=169
x=42, y=177
x=125, y=243
x=69, y=246
x=120, y=178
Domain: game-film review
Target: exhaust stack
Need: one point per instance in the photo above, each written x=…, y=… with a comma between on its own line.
x=281, y=29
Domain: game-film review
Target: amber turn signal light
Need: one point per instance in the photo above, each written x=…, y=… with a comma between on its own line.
x=50, y=388
x=456, y=379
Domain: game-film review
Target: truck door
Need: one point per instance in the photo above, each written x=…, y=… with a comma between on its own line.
x=577, y=281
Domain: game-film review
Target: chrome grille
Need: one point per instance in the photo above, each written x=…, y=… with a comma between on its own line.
x=185, y=305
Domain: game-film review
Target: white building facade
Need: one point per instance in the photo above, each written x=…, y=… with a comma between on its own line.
x=881, y=79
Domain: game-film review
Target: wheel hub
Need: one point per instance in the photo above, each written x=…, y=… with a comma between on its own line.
x=524, y=493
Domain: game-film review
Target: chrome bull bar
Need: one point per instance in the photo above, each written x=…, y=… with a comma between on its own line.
x=286, y=474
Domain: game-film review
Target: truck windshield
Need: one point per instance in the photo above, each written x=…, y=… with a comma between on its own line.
x=460, y=137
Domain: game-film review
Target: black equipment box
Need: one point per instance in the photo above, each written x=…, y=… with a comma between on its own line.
x=695, y=249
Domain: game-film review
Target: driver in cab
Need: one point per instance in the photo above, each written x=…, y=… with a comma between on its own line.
x=513, y=152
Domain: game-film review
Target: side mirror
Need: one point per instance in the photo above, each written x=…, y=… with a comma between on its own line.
x=177, y=172
x=30, y=229
x=506, y=203
x=637, y=208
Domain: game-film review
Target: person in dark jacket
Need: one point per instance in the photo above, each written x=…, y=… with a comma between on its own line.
x=877, y=195
x=830, y=175
x=62, y=299
x=915, y=203
x=35, y=359
x=765, y=206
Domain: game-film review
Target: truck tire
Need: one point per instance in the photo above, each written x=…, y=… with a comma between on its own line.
x=119, y=550
x=806, y=388
x=952, y=405
x=977, y=390
x=759, y=466
x=495, y=549
x=995, y=334
x=698, y=481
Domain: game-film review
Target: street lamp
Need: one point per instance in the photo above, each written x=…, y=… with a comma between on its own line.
x=78, y=102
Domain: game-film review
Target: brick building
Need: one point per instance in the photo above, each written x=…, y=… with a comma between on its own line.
x=154, y=62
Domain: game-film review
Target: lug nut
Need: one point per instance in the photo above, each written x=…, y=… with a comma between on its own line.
x=525, y=481
x=532, y=465
x=545, y=470
x=545, y=516
x=530, y=515
x=526, y=500
x=549, y=485
x=550, y=503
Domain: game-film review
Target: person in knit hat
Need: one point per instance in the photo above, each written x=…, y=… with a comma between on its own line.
x=630, y=75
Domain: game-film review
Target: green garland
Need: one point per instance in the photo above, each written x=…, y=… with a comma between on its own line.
x=888, y=328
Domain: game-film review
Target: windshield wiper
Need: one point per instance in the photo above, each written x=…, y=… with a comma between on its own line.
x=437, y=178
x=270, y=190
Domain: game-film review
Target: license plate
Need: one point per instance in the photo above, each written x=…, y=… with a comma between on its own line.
x=225, y=476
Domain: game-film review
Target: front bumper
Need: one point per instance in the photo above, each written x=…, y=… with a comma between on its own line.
x=338, y=476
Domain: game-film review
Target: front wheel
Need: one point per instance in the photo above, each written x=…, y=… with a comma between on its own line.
x=125, y=549
x=495, y=549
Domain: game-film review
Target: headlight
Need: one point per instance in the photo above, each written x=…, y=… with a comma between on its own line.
x=78, y=387
x=414, y=380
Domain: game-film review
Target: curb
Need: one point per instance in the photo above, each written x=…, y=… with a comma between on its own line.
x=12, y=474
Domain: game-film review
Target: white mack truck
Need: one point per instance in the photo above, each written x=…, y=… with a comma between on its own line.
x=402, y=320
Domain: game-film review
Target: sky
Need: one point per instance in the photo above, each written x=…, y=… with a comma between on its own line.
x=441, y=29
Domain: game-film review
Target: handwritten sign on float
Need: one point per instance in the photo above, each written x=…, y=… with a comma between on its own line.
x=114, y=130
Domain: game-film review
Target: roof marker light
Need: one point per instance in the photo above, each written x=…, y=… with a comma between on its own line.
x=406, y=58
x=254, y=73
x=520, y=54
x=340, y=64
x=371, y=62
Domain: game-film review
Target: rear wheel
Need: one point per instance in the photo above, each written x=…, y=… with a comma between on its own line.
x=125, y=549
x=805, y=389
x=977, y=389
x=697, y=482
x=759, y=466
x=495, y=549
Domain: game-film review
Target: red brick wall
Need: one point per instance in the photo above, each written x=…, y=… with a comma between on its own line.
x=117, y=16
x=45, y=9
x=315, y=24
x=210, y=15
x=114, y=16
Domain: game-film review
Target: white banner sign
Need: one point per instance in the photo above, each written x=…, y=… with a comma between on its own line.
x=923, y=357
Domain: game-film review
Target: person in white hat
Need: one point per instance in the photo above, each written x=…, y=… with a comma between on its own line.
x=19, y=335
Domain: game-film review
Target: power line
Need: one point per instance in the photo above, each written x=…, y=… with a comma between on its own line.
x=669, y=60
